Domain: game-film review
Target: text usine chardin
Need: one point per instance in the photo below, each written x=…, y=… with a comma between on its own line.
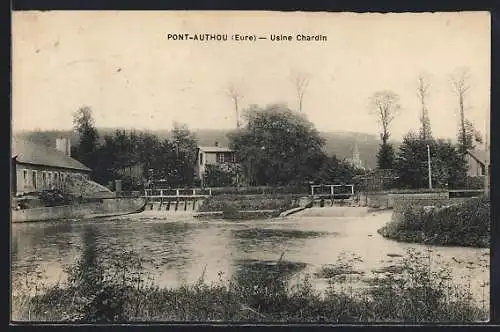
x=222, y=37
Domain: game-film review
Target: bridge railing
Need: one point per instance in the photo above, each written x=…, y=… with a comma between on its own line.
x=332, y=189
x=177, y=192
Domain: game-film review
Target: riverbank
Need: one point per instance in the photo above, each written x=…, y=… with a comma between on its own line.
x=337, y=212
x=463, y=224
x=118, y=291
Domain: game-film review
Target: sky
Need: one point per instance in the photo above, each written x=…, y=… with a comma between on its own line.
x=122, y=65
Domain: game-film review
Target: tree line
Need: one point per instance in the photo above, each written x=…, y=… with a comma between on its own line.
x=448, y=162
x=135, y=157
x=278, y=146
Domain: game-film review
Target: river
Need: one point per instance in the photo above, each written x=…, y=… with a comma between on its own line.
x=183, y=248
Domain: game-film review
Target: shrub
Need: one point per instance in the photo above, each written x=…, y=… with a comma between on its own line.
x=54, y=197
x=463, y=224
x=116, y=291
x=245, y=203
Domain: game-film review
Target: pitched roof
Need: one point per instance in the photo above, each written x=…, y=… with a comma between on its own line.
x=29, y=152
x=479, y=155
x=215, y=149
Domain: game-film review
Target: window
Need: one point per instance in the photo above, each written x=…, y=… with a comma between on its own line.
x=201, y=158
x=44, y=179
x=25, y=175
x=220, y=157
x=33, y=178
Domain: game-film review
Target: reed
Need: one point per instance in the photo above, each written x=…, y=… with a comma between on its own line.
x=119, y=291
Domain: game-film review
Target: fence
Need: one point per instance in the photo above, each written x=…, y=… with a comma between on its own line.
x=261, y=190
x=332, y=189
x=177, y=192
x=304, y=190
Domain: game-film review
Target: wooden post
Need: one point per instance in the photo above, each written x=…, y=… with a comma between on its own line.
x=429, y=169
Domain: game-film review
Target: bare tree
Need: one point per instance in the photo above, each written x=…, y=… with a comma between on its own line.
x=385, y=105
x=301, y=82
x=235, y=94
x=422, y=94
x=460, y=85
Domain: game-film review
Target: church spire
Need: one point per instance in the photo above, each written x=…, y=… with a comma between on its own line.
x=355, y=153
x=355, y=159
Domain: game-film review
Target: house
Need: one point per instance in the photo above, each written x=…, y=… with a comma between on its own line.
x=37, y=167
x=212, y=155
x=476, y=162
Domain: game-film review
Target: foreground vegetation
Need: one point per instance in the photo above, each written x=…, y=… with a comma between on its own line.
x=464, y=224
x=120, y=292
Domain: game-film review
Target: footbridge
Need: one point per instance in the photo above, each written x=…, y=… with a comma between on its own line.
x=329, y=194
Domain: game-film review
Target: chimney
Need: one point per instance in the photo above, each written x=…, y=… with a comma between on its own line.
x=64, y=145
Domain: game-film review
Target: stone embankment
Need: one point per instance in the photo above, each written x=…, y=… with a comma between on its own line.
x=102, y=208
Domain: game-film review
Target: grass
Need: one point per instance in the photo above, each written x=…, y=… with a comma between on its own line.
x=119, y=291
x=262, y=190
x=463, y=224
x=233, y=205
x=341, y=269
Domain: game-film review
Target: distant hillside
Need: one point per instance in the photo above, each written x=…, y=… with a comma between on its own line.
x=339, y=143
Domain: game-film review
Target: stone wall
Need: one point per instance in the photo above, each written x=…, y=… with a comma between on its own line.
x=398, y=202
x=389, y=200
x=114, y=206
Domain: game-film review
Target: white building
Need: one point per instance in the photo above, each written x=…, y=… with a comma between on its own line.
x=212, y=155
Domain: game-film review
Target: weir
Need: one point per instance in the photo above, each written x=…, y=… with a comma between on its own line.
x=181, y=200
